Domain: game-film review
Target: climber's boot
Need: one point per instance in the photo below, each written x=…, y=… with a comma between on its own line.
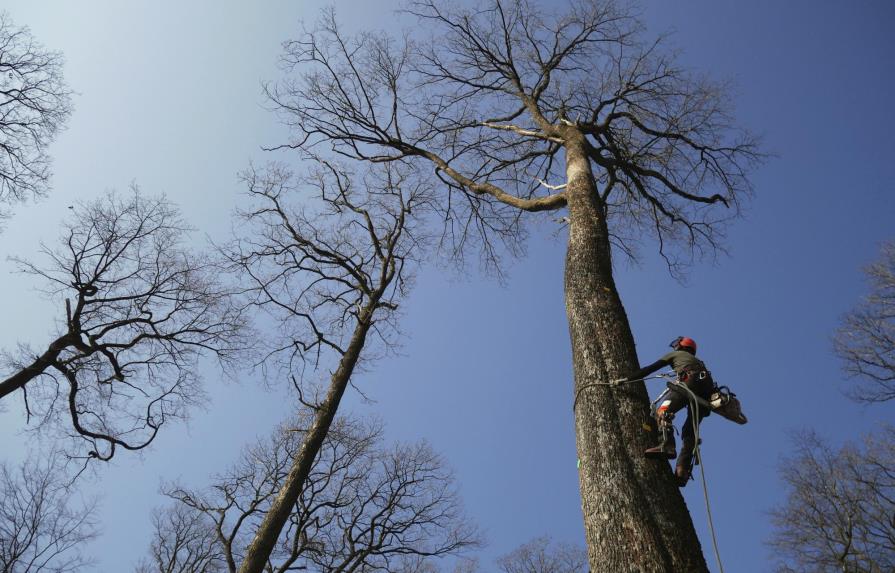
x=666, y=448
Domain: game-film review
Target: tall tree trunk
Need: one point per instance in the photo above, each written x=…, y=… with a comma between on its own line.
x=268, y=532
x=635, y=518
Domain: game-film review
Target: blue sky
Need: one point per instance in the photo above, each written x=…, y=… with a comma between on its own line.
x=169, y=97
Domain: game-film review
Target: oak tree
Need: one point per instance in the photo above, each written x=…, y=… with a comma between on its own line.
x=866, y=339
x=137, y=309
x=512, y=109
x=328, y=258
x=35, y=102
x=839, y=513
x=543, y=555
x=43, y=527
x=184, y=541
x=363, y=507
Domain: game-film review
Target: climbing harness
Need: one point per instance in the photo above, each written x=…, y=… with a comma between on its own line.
x=695, y=402
x=722, y=401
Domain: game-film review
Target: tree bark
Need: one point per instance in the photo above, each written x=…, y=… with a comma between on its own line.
x=269, y=531
x=635, y=518
x=39, y=366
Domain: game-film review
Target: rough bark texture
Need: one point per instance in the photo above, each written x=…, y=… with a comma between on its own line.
x=575, y=78
x=635, y=518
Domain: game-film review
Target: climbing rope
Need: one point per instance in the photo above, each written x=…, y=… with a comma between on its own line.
x=616, y=383
x=694, y=403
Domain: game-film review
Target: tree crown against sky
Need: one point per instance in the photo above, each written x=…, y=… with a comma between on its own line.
x=137, y=309
x=312, y=251
x=840, y=504
x=489, y=98
x=366, y=506
x=35, y=102
x=812, y=83
x=512, y=108
x=866, y=339
x=543, y=555
x=44, y=527
x=331, y=274
x=840, y=511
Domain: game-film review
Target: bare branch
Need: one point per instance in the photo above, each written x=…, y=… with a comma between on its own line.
x=363, y=507
x=316, y=268
x=541, y=555
x=496, y=96
x=553, y=187
x=185, y=541
x=838, y=513
x=35, y=102
x=41, y=528
x=585, y=72
x=140, y=310
x=332, y=275
x=866, y=339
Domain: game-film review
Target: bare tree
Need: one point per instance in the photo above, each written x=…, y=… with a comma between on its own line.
x=363, y=507
x=185, y=541
x=838, y=516
x=512, y=108
x=866, y=339
x=331, y=274
x=139, y=310
x=541, y=555
x=41, y=528
x=34, y=105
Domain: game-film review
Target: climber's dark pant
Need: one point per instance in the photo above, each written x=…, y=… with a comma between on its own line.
x=672, y=401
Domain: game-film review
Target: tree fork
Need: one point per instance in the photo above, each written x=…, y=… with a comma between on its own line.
x=634, y=515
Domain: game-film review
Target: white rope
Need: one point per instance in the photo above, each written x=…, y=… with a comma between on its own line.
x=615, y=383
x=694, y=403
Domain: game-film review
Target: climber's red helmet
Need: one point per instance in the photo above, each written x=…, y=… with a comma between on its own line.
x=684, y=343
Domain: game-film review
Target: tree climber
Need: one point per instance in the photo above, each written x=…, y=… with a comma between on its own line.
x=693, y=373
